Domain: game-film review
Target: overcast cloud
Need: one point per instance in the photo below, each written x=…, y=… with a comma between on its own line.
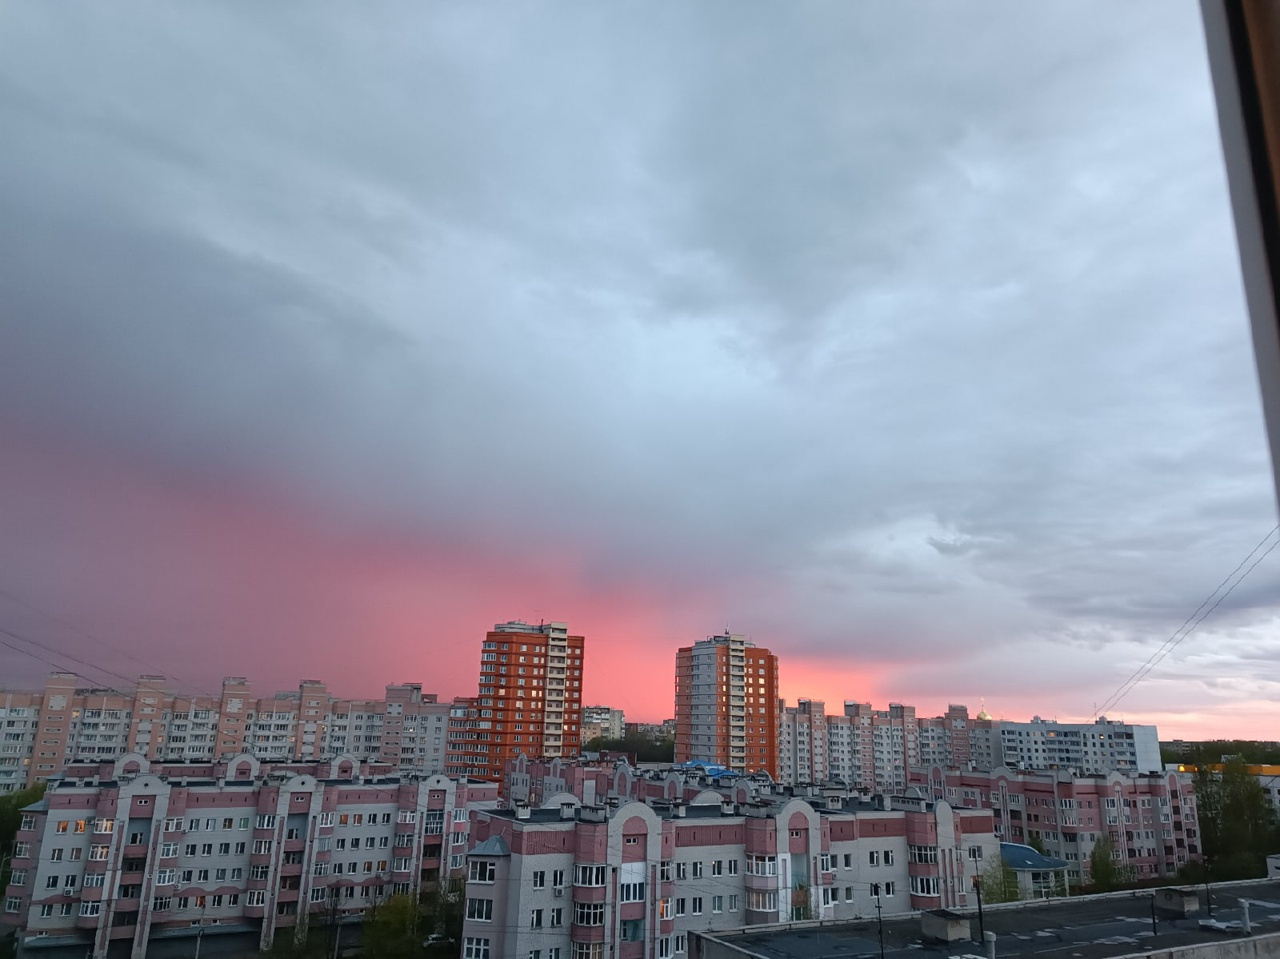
x=907, y=338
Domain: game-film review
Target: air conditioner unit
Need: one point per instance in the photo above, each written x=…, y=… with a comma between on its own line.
x=559, y=891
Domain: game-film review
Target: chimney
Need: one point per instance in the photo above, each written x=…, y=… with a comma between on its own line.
x=522, y=810
x=566, y=810
x=677, y=810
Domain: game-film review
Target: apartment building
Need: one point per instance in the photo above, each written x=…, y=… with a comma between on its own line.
x=41, y=731
x=867, y=748
x=1150, y=817
x=874, y=749
x=134, y=849
x=605, y=720
x=727, y=704
x=1093, y=748
x=632, y=880
x=529, y=701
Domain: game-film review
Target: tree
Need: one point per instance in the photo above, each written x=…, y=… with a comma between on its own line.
x=999, y=882
x=1036, y=842
x=1237, y=821
x=442, y=910
x=645, y=748
x=11, y=807
x=1105, y=872
x=391, y=929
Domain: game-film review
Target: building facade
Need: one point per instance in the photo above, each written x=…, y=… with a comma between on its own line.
x=874, y=749
x=606, y=721
x=132, y=850
x=529, y=701
x=632, y=880
x=1149, y=817
x=727, y=704
x=867, y=748
x=66, y=723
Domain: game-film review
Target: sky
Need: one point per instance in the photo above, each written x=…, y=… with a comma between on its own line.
x=906, y=339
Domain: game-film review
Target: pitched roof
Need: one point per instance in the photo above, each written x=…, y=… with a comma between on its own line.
x=493, y=846
x=1019, y=857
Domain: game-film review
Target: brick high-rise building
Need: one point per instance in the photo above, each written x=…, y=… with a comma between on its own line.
x=529, y=701
x=727, y=704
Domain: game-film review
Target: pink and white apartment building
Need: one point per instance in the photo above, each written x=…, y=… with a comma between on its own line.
x=133, y=850
x=1150, y=817
x=631, y=879
x=43, y=730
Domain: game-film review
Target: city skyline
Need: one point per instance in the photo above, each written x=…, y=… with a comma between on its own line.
x=921, y=363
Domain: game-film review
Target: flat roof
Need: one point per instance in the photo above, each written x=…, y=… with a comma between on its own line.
x=1093, y=927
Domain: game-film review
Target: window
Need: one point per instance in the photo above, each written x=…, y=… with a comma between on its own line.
x=539, y=879
x=96, y=853
x=557, y=917
x=682, y=941
x=265, y=821
x=261, y=846
x=89, y=908
x=696, y=904
x=22, y=850
x=51, y=882
x=240, y=849
x=481, y=871
x=923, y=854
x=18, y=877
x=632, y=930
x=557, y=878
x=28, y=822
x=717, y=903
x=46, y=911
x=168, y=850
x=166, y=877
x=94, y=881
x=733, y=902
x=664, y=947
x=588, y=875
x=206, y=849
x=588, y=913
x=255, y=897
x=680, y=905
x=189, y=849
x=759, y=900
x=407, y=815
x=888, y=857
x=162, y=903
x=762, y=865
x=697, y=870
x=682, y=871
x=975, y=852
x=924, y=885
x=224, y=849
x=474, y=948
x=480, y=910
x=873, y=857
x=733, y=867
x=888, y=889
x=535, y=919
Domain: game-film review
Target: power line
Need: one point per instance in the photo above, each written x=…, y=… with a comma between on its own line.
x=63, y=653
x=1172, y=643
x=151, y=667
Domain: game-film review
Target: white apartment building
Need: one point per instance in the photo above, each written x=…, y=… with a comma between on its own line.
x=131, y=850
x=632, y=880
x=41, y=731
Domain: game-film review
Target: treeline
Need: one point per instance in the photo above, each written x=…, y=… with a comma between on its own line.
x=645, y=748
x=1252, y=752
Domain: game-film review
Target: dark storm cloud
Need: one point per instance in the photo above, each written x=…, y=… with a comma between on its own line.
x=916, y=326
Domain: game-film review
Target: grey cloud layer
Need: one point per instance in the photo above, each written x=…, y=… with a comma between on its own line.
x=921, y=322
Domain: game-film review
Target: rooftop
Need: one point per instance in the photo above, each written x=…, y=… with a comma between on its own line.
x=1094, y=927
